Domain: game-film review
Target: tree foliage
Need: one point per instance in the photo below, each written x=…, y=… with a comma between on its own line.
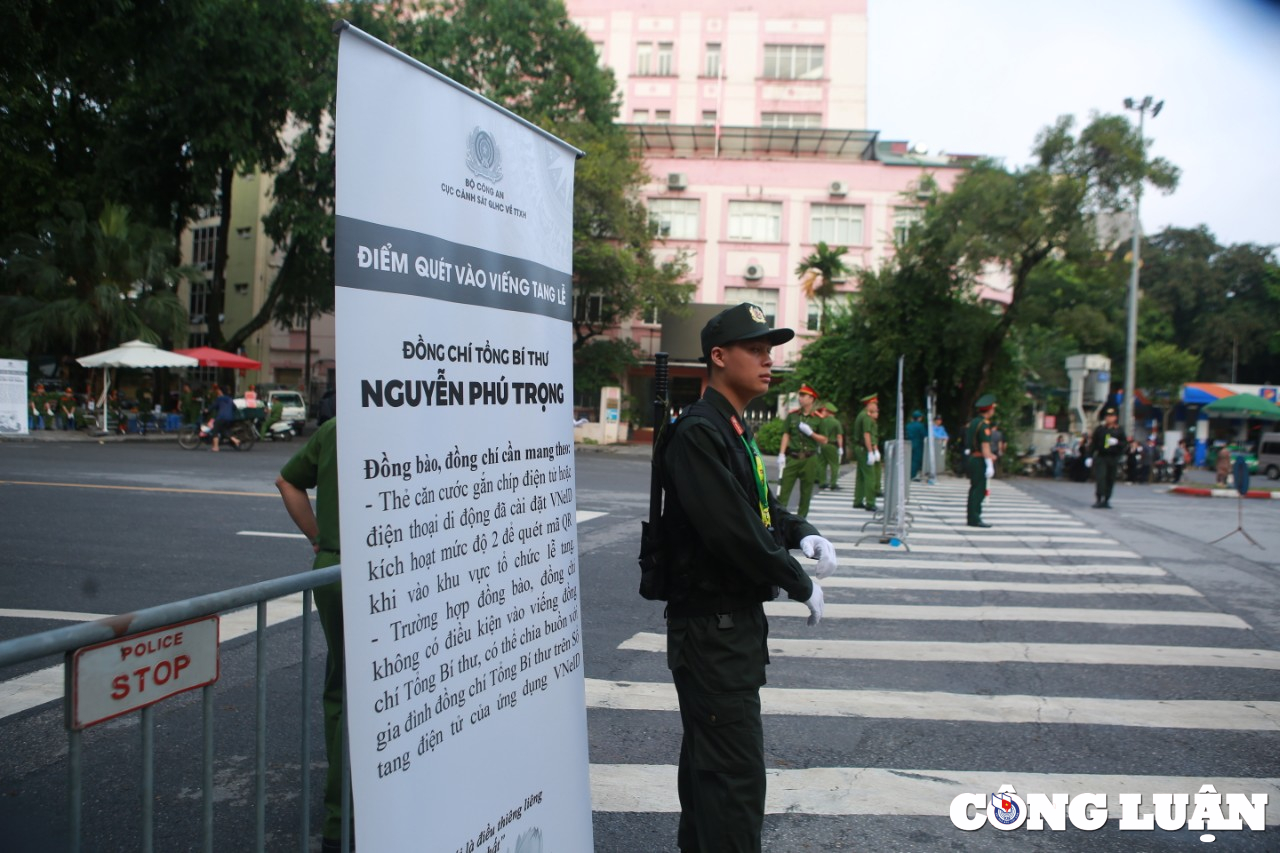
x=1030, y=225
x=819, y=274
x=79, y=285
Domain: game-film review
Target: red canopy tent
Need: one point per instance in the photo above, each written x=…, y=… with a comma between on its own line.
x=210, y=357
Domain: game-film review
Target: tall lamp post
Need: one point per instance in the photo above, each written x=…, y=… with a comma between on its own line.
x=1131, y=354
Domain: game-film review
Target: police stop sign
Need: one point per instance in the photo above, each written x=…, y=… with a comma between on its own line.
x=119, y=676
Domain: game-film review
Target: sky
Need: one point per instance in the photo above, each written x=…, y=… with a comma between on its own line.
x=985, y=76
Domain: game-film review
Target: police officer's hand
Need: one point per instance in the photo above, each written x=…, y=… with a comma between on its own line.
x=1088, y=462
x=991, y=469
x=782, y=463
x=815, y=605
x=805, y=429
x=818, y=548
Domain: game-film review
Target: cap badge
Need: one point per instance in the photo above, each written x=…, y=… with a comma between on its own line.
x=756, y=314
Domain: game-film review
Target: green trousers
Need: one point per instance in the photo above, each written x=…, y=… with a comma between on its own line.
x=829, y=472
x=977, y=468
x=804, y=471
x=718, y=672
x=328, y=601
x=1104, y=475
x=867, y=485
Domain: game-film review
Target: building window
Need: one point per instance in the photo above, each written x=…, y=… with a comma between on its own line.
x=767, y=300
x=758, y=221
x=639, y=116
x=791, y=120
x=204, y=245
x=588, y=309
x=644, y=58
x=836, y=224
x=198, y=303
x=675, y=218
x=904, y=219
x=665, y=65
x=712, y=66
x=662, y=116
x=708, y=118
x=813, y=317
x=793, y=61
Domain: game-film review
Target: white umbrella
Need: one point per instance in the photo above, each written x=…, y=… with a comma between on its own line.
x=131, y=354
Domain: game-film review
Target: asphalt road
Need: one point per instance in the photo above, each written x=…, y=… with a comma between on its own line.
x=1066, y=650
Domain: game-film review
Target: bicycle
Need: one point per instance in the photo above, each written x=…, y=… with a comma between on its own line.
x=191, y=436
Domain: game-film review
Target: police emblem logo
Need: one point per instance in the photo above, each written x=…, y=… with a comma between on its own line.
x=483, y=157
x=757, y=315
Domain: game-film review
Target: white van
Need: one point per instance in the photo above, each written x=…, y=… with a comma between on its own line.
x=1269, y=455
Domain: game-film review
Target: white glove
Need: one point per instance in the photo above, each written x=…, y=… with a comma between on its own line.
x=991, y=469
x=842, y=454
x=782, y=463
x=818, y=548
x=815, y=605
x=805, y=429
x=873, y=457
x=1088, y=462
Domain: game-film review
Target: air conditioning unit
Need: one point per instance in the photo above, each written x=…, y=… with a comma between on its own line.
x=677, y=181
x=753, y=272
x=838, y=188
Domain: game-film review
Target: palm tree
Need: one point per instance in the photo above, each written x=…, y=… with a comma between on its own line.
x=819, y=273
x=79, y=285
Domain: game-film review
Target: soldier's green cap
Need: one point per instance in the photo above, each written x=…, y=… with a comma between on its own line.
x=986, y=401
x=829, y=406
x=744, y=322
x=870, y=398
x=916, y=413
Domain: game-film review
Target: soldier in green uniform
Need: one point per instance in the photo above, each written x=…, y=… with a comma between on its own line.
x=1107, y=444
x=981, y=457
x=727, y=539
x=316, y=466
x=799, y=456
x=866, y=450
x=833, y=451
x=189, y=405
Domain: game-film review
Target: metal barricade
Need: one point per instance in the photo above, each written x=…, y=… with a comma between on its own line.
x=69, y=639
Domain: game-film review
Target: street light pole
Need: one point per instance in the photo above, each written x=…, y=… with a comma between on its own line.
x=1131, y=353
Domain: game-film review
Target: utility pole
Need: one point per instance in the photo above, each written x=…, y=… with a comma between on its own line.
x=1131, y=354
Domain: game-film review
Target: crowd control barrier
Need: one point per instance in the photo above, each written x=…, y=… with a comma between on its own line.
x=153, y=631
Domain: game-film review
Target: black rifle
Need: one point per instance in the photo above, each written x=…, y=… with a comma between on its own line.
x=653, y=574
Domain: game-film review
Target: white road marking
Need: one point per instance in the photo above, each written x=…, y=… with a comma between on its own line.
x=269, y=535
x=1202, y=714
x=651, y=788
x=864, y=561
x=968, y=548
x=1037, y=653
x=57, y=615
x=1010, y=586
x=948, y=613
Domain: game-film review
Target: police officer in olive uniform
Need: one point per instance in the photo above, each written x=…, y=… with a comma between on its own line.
x=833, y=451
x=866, y=450
x=727, y=544
x=1108, y=444
x=981, y=459
x=801, y=442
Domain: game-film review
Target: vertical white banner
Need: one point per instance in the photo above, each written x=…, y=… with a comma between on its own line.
x=13, y=397
x=467, y=712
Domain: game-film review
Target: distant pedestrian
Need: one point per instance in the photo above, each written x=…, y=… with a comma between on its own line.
x=1224, y=466
x=981, y=458
x=866, y=450
x=802, y=441
x=224, y=412
x=916, y=432
x=833, y=451
x=1108, y=446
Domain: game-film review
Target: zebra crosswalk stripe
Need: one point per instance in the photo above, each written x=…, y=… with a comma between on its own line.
x=1101, y=654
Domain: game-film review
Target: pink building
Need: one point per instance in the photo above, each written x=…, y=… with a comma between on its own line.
x=752, y=119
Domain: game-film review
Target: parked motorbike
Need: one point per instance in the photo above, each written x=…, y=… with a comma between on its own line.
x=278, y=431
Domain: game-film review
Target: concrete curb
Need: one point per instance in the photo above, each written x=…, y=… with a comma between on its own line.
x=1197, y=492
